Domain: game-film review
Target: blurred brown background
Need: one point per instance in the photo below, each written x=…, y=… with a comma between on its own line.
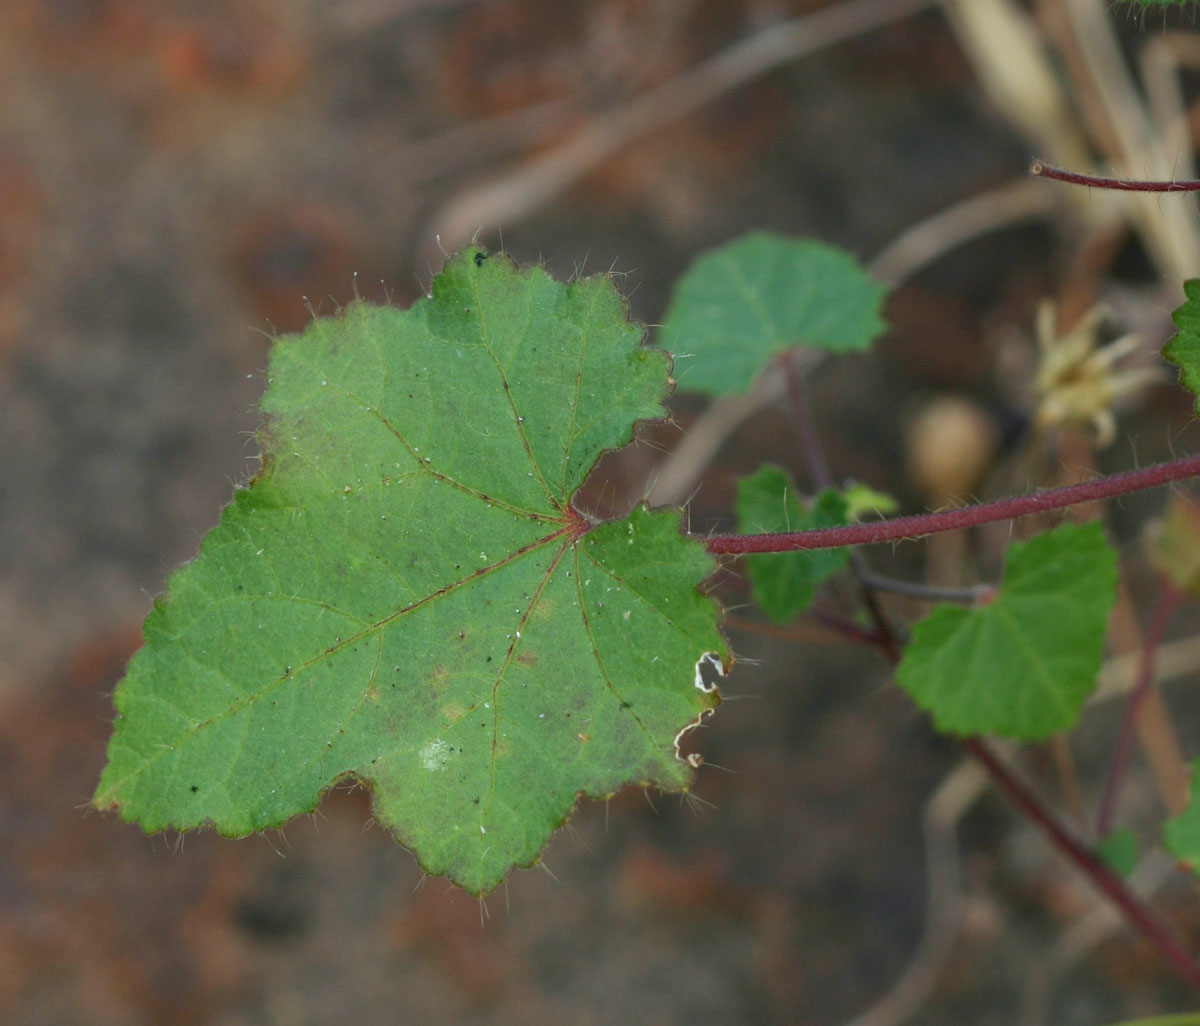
x=181, y=181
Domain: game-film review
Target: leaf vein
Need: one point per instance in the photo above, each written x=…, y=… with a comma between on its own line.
x=508, y=656
x=249, y=699
x=518, y=420
x=587, y=626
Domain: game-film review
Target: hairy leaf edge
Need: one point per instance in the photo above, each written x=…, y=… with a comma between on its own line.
x=578, y=522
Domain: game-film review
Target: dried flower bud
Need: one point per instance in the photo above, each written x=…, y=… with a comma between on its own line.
x=951, y=444
x=1077, y=382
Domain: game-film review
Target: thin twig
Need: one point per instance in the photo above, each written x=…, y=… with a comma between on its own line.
x=1168, y=600
x=1136, y=913
x=957, y=792
x=1040, y=169
x=808, y=631
x=927, y=240
x=911, y=250
x=1167, y=227
x=853, y=632
x=1084, y=935
x=479, y=143
x=967, y=595
x=351, y=18
x=802, y=420
x=676, y=477
x=957, y=519
x=1174, y=659
x=538, y=183
x=814, y=453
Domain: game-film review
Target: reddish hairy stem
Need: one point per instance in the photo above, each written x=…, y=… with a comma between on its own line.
x=802, y=417
x=1112, y=886
x=1135, y=911
x=1040, y=169
x=806, y=428
x=1168, y=599
x=957, y=519
x=880, y=638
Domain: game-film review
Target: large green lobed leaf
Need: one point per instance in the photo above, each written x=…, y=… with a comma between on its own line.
x=404, y=596
x=1023, y=665
x=742, y=304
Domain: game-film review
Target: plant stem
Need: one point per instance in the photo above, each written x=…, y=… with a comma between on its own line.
x=1168, y=599
x=1134, y=910
x=969, y=595
x=1040, y=169
x=814, y=452
x=853, y=632
x=802, y=419
x=959, y=518
x=815, y=629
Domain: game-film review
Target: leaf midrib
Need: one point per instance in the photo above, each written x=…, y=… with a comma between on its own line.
x=567, y=530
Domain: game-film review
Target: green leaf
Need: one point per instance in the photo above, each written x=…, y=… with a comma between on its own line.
x=1119, y=851
x=1173, y=544
x=863, y=500
x=1023, y=665
x=783, y=583
x=1181, y=835
x=1186, y=1019
x=405, y=597
x=1183, y=349
x=741, y=304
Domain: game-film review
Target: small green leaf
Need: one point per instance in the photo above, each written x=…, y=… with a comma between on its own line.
x=1183, y=349
x=405, y=596
x=1023, y=665
x=1119, y=851
x=1173, y=544
x=783, y=583
x=1187, y=1019
x=863, y=500
x=1181, y=835
x=743, y=303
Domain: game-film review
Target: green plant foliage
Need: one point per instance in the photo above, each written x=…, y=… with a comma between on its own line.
x=1181, y=835
x=1024, y=664
x=1173, y=544
x=1119, y=851
x=863, y=501
x=406, y=598
x=1183, y=349
x=741, y=304
x=783, y=583
x=1187, y=1019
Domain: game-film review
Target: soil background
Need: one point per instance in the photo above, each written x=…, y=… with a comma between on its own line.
x=181, y=182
